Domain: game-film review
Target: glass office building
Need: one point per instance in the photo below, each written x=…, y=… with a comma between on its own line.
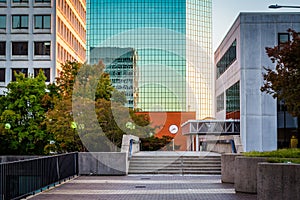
x=121, y=66
x=172, y=39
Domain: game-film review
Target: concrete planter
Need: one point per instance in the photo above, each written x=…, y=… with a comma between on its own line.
x=227, y=167
x=245, y=179
x=103, y=163
x=278, y=181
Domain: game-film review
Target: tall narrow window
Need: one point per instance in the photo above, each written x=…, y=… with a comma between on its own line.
x=42, y=21
x=2, y=74
x=19, y=48
x=2, y=48
x=2, y=21
x=42, y=48
x=283, y=38
x=20, y=21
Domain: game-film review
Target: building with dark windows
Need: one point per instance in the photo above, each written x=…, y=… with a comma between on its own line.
x=239, y=62
x=173, y=41
x=120, y=64
x=40, y=34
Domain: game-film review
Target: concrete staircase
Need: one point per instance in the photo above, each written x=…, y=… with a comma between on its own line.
x=174, y=164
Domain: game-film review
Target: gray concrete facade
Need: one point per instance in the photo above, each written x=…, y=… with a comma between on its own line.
x=278, y=181
x=102, y=163
x=258, y=111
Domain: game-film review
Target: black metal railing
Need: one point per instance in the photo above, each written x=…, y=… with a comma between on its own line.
x=22, y=178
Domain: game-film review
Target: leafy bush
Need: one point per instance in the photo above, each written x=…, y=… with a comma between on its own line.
x=154, y=143
x=278, y=156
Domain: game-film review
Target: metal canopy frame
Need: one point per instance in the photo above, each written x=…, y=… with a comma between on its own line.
x=211, y=127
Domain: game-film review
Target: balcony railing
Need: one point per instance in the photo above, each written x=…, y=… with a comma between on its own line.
x=26, y=177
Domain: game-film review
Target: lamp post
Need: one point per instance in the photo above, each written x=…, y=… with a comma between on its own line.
x=281, y=6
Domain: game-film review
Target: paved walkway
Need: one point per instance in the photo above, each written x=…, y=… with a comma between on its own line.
x=144, y=187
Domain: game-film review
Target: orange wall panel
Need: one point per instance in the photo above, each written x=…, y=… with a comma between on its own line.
x=163, y=121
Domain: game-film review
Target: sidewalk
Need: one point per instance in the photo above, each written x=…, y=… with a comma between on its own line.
x=144, y=187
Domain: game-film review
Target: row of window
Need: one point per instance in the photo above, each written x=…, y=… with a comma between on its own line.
x=63, y=5
x=70, y=38
x=41, y=48
x=24, y=71
x=25, y=1
x=232, y=99
x=73, y=17
x=227, y=59
x=63, y=54
x=22, y=21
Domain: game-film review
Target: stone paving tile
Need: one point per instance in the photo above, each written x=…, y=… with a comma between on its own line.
x=144, y=187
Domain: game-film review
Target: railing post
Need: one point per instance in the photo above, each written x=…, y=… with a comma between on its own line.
x=130, y=147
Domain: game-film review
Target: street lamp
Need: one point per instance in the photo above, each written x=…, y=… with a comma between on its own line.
x=280, y=6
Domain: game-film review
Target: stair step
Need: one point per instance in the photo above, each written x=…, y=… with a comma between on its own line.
x=175, y=165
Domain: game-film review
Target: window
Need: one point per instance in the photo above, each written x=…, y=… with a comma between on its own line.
x=283, y=38
x=2, y=48
x=2, y=21
x=19, y=70
x=233, y=98
x=42, y=1
x=42, y=21
x=46, y=73
x=220, y=102
x=20, y=48
x=20, y=1
x=2, y=1
x=41, y=48
x=20, y=21
x=2, y=74
x=227, y=59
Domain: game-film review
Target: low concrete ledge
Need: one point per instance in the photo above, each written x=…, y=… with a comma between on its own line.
x=278, y=181
x=227, y=167
x=245, y=173
x=103, y=163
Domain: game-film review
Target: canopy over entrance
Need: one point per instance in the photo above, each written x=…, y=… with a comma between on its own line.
x=211, y=127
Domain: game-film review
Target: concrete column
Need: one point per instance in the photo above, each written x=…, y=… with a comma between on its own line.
x=197, y=142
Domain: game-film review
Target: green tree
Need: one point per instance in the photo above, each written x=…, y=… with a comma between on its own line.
x=283, y=82
x=23, y=108
x=79, y=81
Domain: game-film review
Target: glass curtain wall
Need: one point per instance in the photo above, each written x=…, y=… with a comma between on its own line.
x=166, y=36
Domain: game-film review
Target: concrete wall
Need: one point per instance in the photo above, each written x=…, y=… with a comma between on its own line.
x=278, y=181
x=228, y=167
x=245, y=173
x=126, y=143
x=103, y=163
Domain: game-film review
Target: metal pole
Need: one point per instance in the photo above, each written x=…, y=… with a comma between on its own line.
x=280, y=6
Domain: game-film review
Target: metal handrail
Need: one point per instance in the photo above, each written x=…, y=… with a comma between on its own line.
x=19, y=179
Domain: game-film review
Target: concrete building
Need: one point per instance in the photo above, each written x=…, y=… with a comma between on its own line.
x=121, y=66
x=40, y=34
x=239, y=61
x=173, y=41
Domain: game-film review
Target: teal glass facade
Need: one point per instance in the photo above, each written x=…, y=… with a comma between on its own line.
x=172, y=39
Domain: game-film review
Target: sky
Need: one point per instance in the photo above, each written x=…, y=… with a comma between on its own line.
x=226, y=11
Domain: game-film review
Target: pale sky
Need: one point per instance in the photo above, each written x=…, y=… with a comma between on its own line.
x=226, y=11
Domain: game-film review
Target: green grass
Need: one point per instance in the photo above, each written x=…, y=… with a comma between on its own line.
x=278, y=156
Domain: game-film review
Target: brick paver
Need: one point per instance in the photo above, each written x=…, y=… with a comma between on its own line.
x=144, y=187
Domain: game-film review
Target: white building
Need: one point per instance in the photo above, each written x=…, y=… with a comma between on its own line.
x=239, y=62
x=40, y=34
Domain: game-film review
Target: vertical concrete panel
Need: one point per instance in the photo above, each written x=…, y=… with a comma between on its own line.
x=278, y=181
